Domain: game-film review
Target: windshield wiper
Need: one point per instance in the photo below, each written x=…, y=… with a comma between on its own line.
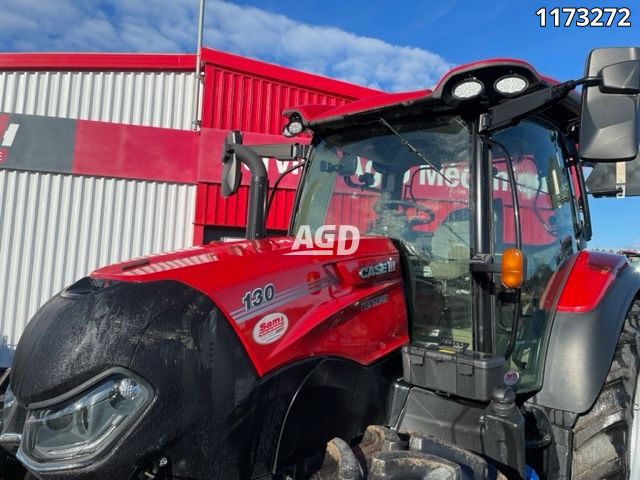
x=411, y=148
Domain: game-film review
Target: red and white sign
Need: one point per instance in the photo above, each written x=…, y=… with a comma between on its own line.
x=271, y=328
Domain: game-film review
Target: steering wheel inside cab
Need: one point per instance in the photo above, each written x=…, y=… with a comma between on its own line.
x=399, y=218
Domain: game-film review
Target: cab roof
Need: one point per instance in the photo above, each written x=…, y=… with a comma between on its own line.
x=487, y=71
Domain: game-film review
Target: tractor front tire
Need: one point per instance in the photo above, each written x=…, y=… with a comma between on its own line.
x=601, y=436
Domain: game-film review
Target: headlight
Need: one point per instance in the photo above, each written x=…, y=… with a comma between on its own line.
x=511, y=85
x=467, y=89
x=73, y=432
x=292, y=129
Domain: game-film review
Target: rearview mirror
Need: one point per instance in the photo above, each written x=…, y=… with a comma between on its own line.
x=348, y=165
x=231, y=173
x=609, y=123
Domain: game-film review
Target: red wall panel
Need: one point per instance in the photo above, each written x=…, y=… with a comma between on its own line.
x=245, y=94
x=213, y=209
x=248, y=95
x=236, y=101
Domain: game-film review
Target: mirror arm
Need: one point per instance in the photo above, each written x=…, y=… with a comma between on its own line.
x=282, y=151
x=588, y=81
x=511, y=112
x=587, y=231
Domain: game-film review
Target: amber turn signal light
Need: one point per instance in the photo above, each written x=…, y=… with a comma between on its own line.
x=512, y=268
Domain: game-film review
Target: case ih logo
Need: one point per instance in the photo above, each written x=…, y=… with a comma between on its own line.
x=377, y=270
x=327, y=240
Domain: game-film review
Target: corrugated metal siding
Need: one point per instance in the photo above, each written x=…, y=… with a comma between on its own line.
x=159, y=99
x=241, y=101
x=57, y=228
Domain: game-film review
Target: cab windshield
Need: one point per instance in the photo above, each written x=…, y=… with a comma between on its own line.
x=372, y=179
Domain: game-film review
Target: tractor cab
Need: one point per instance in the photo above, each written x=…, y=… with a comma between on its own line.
x=479, y=185
x=415, y=181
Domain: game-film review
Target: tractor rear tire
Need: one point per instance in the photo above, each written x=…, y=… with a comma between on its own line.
x=601, y=436
x=382, y=454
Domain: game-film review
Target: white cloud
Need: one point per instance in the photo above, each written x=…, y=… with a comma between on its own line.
x=161, y=26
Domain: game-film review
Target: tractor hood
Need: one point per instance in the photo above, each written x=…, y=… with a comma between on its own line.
x=88, y=328
x=282, y=300
x=219, y=336
x=273, y=296
x=200, y=328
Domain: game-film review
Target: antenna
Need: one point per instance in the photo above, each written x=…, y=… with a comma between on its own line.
x=198, y=80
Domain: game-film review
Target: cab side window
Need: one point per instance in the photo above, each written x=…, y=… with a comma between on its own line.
x=543, y=183
x=549, y=223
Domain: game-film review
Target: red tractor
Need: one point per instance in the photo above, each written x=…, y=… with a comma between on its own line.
x=433, y=313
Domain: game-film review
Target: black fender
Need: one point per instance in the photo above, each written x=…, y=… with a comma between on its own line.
x=338, y=398
x=582, y=344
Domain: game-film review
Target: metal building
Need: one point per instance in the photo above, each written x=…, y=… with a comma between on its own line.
x=247, y=95
x=58, y=225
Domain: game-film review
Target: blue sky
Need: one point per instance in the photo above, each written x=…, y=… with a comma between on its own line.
x=389, y=45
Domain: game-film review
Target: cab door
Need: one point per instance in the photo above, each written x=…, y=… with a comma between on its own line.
x=550, y=225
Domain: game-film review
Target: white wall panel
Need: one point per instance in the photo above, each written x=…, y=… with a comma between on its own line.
x=158, y=99
x=55, y=229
